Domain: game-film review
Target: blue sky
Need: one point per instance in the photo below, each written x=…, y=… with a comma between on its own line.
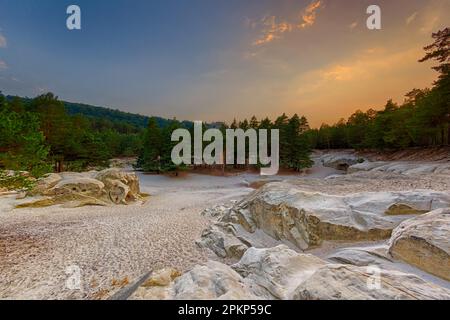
x=218, y=59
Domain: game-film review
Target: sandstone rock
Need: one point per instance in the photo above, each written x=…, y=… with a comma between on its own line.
x=403, y=209
x=403, y=167
x=216, y=211
x=424, y=242
x=46, y=183
x=75, y=189
x=274, y=273
x=340, y=160
x=362, y=257
x=86, y=186
x=346, y=282
x=109, y=176
x=223, y=241
x=308, y=218
x=212, y=281
x=162, y=278
x=281, y=273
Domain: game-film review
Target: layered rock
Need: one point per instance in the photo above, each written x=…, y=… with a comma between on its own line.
x=306, y=219
x=89, y=188
x=209, y=282
x=403, y=167
x=340, y=160
x=281, y=273
x=424, y=242
x=346, y=282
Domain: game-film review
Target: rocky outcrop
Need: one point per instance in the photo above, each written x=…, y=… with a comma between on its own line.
x=121, y=186
x=281, y=273
x=223, y=240
x=403, y=167
x=424, y=242
x=346, y=282
x=275, y=273
x=340, y=160
x=209, y=282
x=306, y=219
x=71, y=189
x=46, y=183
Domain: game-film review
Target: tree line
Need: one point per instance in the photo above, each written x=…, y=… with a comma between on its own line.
x=294, y=154
x=422, y=120
x=45, y=134
x=38, y=135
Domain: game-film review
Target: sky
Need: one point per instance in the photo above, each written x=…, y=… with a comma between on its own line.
x=215, y=60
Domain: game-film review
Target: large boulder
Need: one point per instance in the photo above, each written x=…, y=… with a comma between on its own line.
x=73, y=189
x=46, y=183
x=209, y=282
x=223, y=241
x=274, y=273
x=346, y=282
x=340, y=160
x=281, y=273
x=306, y=219
x=424, y=242
x=403, y=167
x=80, y=185
x=121, y=186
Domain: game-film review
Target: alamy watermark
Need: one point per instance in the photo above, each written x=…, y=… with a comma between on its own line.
x=73, y=21
x=236, y=151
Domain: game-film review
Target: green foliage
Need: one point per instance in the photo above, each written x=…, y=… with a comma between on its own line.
x=16, y=181
x=22, y=146
x=150, y=158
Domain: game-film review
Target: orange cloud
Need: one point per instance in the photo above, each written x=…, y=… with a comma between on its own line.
x=309, y=15
x=273, y=30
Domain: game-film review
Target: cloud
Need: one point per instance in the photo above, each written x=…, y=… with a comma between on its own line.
x=3, y=42
x=309, y=15
x=273, y=27
x=3, y=65
x=272, y=30
x=411, y=18
x=368, y=66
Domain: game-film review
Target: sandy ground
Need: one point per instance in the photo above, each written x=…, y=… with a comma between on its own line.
x=114, y=245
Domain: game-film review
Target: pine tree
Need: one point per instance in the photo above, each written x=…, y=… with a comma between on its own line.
x=150, y=159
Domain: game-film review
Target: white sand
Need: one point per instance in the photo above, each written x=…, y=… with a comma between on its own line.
x=108, y=244
x=114, y=244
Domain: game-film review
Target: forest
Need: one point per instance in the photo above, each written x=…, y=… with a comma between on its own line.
x=422, y=120
x=45, y=134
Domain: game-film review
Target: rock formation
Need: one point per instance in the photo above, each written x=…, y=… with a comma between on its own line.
x=306, y=219
x=281, y=273
x=424, y=242
x=110, y=186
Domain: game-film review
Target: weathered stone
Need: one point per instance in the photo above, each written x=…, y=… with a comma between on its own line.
x=307, y=218
x=403, y=167
x=86, y=186
x=346, y=282
x=424, y=242
x=212, y=281
x=340, y=160
x=222, y=242
x=110, y=177
x=275, y=272
x=162, y=278
x=46, y=183
x=281, y=273
x=403, y=209
x=361, y=257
